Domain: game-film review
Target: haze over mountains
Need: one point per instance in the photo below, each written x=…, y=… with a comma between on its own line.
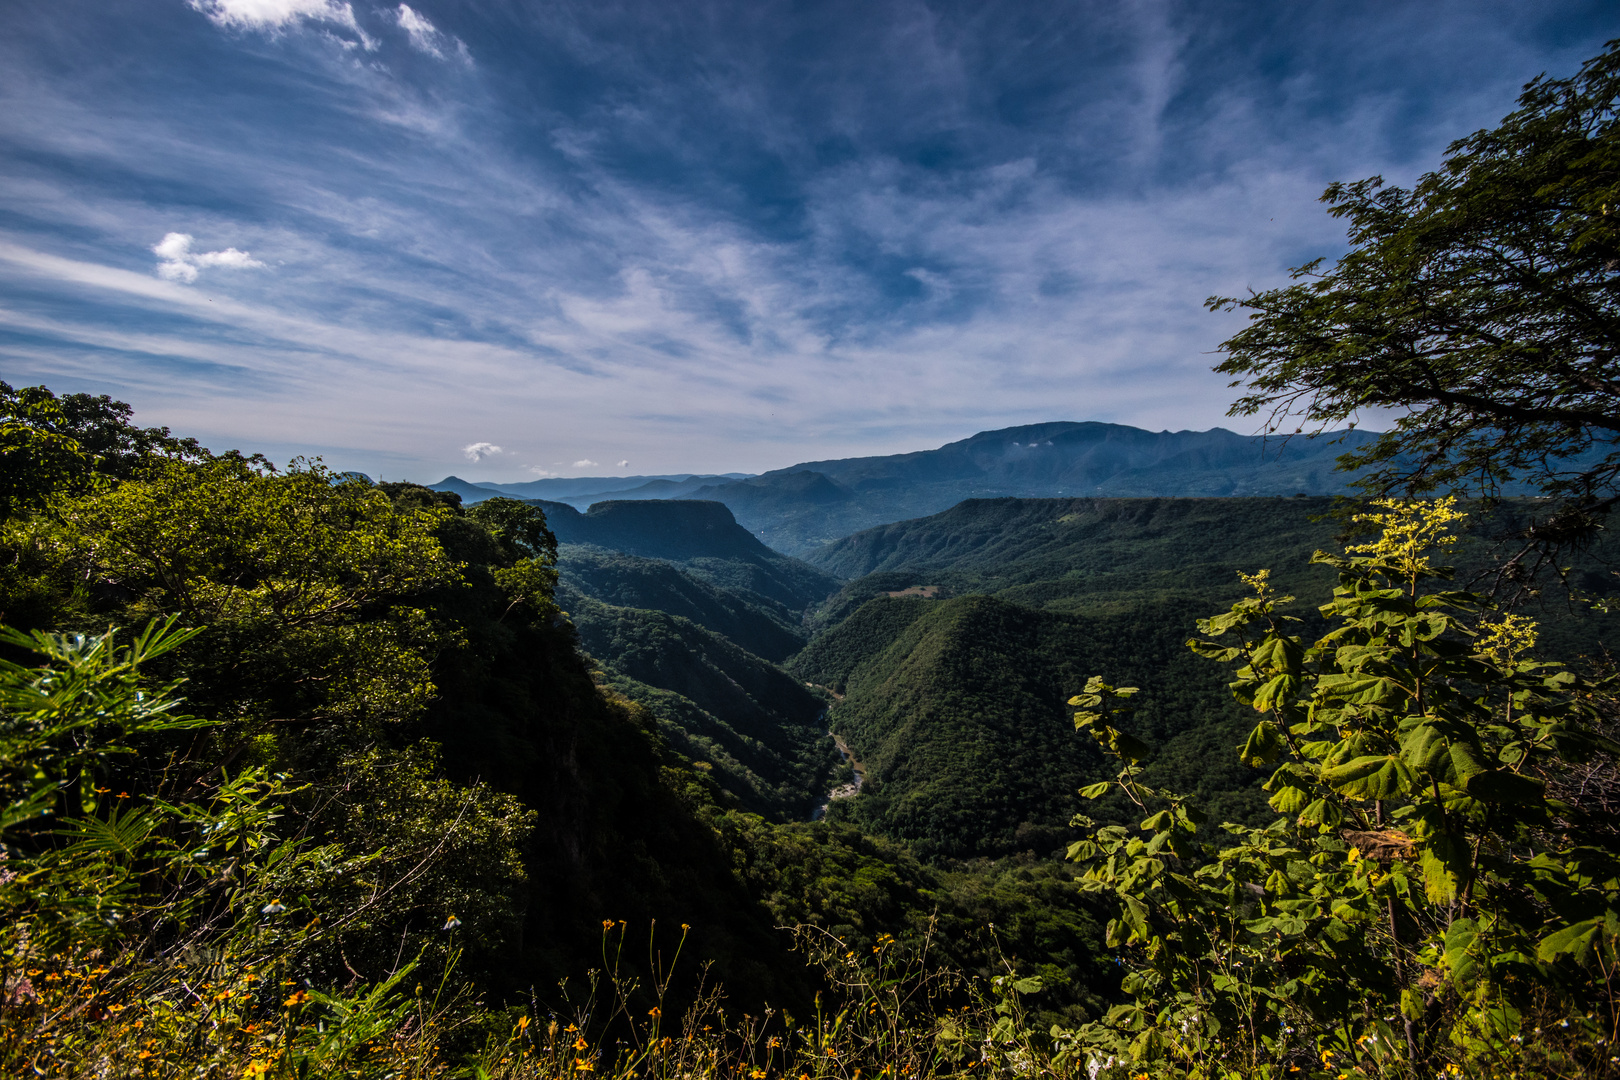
x=800, y=508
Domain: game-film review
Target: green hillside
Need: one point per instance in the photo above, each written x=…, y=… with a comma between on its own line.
x=861, y=635
x=961, y=722
x=1060, y=547
x=621, y=580
x=704, y=540
x=758, y=730
x=970, y=629
x=803, y=507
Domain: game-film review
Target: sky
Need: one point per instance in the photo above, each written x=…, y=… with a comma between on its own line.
x=522, y=238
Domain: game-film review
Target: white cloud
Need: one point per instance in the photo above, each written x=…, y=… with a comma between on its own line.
x=273, y=14
x=180, y=263
x=624, y=464
x=423, y=34
x=542, y=472
x=584, y=463
x=478, y=451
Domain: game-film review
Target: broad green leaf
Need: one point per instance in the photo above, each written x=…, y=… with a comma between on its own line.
x=1279, y=654
x=1276, y=693
x=1290, y=800
x=1136, y=916
x=1576, y=940
x=1321, y=812
x=1220, y=653
x=1443, y=862
x=1460, y=938
x=1265, y=742
x=1379, y=776
x=1424, y=748
x=1126, y=746
x=1158, y=821
x=1466, y=763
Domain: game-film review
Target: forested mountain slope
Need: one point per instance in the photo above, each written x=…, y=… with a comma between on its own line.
x=402, y=660
x=770, y=631
x=702, y=538
x=757, y=730
x=1083, y=555
x=690, y=625
x=970, y=629
x=958, y=712
x=1016, y=541
x=799, y=508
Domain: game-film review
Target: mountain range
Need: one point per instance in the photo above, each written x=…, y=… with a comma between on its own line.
x=800, y=508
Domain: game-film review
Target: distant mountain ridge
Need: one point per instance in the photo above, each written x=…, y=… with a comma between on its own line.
x=570, y=488
x=800, y=508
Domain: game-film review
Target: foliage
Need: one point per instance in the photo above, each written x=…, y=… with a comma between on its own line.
x=434, y=851
x=530, y=548
x=995, y=545
x=51, y=444
x=348, y=623
x=1423, y=902
x=163, y=933
x=305, y=578
x=863, y=633
x=888, y=1010
x=1479, y=305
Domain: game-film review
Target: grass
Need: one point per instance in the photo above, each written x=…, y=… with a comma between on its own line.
x=892, y=1012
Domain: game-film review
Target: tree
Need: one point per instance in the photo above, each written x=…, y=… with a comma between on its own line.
x=313, y=587
x=1483, y=303
x=1433, y=890
x=50, y=443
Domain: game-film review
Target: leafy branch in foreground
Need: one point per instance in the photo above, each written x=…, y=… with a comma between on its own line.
x=1480, y=305
x=157, y=925
x=1423, y=904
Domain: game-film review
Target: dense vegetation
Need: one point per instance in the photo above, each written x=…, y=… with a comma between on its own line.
x=422, y=777
x=1439, y=892
x=390, y=719
x=305, y=776
x=958, y=717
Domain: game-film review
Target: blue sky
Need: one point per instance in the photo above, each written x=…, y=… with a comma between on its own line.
x=693, y=236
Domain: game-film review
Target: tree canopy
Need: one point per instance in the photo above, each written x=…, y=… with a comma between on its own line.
x=1483, y=304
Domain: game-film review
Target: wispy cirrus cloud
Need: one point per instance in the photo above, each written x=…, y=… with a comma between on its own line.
x=281, y=14
x=427, y=38
x=709, y=238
